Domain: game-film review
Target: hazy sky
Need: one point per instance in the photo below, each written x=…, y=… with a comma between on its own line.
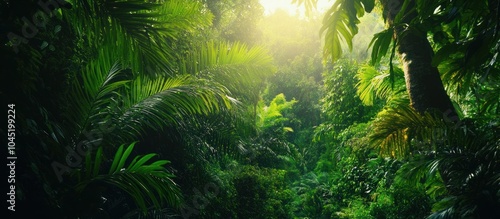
x=271, y=6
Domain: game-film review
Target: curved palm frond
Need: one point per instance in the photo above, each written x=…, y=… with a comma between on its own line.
x=340, y=25
x=97, y=89
x=400, y=131
x=105, y=92
x=134, y=107
x=491, y=100
x=462, y=173
x=147, y=28
x=236, y=66
x=152, y=104
x=380, y=45
x=373, y=83
x=179, y=16
x=92, y=94
x=456, y=161
x=147, y=184
x=217, y=135
x=174, y=18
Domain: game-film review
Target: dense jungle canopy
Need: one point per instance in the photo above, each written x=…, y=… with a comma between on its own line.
x=251, y=109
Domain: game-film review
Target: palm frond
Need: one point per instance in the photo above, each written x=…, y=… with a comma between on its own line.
x=380, y=43
x=395, y=129
x=173, y=19
x=93, y=94
x=218, y=135
x=491, y=100
x=147, y=184
x=178, y=16
x=97, y=89
x=235, y=65
x=147, y=28
x=152, y=104
x=340, y=25
x=463, y=171
x=375, y=83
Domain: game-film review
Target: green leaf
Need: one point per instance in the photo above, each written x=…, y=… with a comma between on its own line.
x=396, y=129
x=402, y=12
x=368, y=5
x=146, y=184
x=125, y=156
x=380, y=44
x=57, y=28
x=340, y=25
x=134, y=165
x=375, y=83
x=116, y=160
x=97, y=162
x=287, y=129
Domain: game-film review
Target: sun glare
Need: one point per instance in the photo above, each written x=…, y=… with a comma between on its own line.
x=270, y=6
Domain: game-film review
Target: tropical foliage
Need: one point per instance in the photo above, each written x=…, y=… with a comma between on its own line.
x=221, y=109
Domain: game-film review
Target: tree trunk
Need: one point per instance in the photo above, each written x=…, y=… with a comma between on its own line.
x=423, y=81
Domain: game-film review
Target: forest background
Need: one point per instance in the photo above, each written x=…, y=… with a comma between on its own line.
x=214, y=109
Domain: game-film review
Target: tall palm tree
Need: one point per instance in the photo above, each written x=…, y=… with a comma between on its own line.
x=461, y=38
x=409, y=22
x=436, y=147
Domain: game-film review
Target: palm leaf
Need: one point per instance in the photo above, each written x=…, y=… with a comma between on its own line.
x=380, y=43
x=394, y=129
x=146, y=28
x=235, y=65
x=91, y=95
x=376, y=83
x=461, y=171
x=340, y=25
x=154, y=104
x=147, y=184
x=338, y=30
x=105, y=92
